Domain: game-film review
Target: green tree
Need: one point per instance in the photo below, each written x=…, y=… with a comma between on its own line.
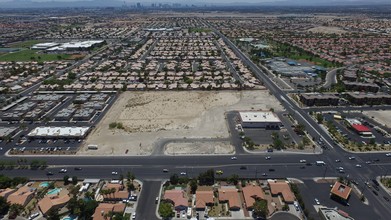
x=193, y=186
x=234, y=179
x=4, y=206
x=319, y=118
x=15, y=210
x=300, y=128
x=66, y=179
x=165, y=210
x=174, y=179
x=260, y=208
x=72, y=76
x=74, y=180
x=207, y=178
x=53, y=215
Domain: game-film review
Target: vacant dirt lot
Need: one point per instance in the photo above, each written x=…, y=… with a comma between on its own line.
x=382, y=117
x=150, y=116
x=327, y=30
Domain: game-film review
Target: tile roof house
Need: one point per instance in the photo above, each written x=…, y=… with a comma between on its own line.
x=22, y=196
x=105, y=208
x=6, y=192
x=341, y=191
x=281, y=188
x=54, y=201
x=120, y=192
x=203, y=199
x=251, y=193
x=231, y=196
x=177, y=197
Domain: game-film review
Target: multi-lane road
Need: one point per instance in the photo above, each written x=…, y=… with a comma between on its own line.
x=247, y=165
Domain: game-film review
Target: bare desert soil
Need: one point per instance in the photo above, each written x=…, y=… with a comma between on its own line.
x=327, y=30
x=382, y=117
x=151, y=116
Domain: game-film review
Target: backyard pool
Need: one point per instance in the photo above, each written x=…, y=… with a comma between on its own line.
x=44, y=184
x=54, y=191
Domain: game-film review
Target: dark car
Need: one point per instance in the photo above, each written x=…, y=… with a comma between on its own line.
x=49, y=173
x=375, y=182
x=243, y=168
x=271, y=170
x=374, y=192
x=386, y=198
x=78, y=168
x=308, y=164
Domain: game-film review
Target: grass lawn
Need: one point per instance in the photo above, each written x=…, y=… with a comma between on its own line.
x=29, y=55
x=195, y=30
x=24, y=44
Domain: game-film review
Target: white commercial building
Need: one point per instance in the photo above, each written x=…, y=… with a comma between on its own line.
x=259, y=119
x=59, y=132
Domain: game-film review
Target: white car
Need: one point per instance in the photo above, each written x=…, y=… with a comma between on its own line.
x=268, y=158
x=114, y=173
x=358, y=165
x=183, y=173
x=234, y=158
x=388, y=154
x=134, y=215
x=339, y=168
x=352, y=158
x=63, y=170
x=264, y=174
x=33, y=216
x=303, y=161
x=317, y=201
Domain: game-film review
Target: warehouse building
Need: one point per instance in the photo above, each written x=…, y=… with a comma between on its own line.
x=260, y=119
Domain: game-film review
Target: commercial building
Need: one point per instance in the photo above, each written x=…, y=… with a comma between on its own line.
x=259, y=119
x=65, y=114
x=368, y=98
x=77, y=46
x=340, y=191
x=318, y=99
x=84, y=114
x=333, y=214
x=358, y=127
x=6, y=132
x=58, y=132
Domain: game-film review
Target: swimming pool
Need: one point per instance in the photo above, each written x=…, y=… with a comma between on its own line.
x=54, y=191
x=44, y=184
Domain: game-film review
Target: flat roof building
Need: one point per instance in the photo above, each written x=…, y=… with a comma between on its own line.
x=59, y=132
x=368, y=98
x=340, y=191
x=360, y=86
x=318, y=99
x=358, y=127
x=333, y=214
x=7, y=132
x=259, y=119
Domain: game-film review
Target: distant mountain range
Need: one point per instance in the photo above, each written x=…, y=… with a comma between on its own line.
x=119, y=3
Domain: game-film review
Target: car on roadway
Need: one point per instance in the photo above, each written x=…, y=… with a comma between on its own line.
x=243, y=168
x=114, y=173
x=78, y=168
x=183, y=173
x=63, y=171
x=264, y=174
x=165, y=170
x=368, y=162
x=234, y=158
x=388, y=154
x=339, y=168
x=303, y=161
x=352, y=158
x=268, y=158
x=374, y=192
x=386, y=198
x=219, y=172
x=375, y=182
x=272, y=170
x=358, y=165
x=134, y=215
x=49, y=173
x=337, y=161
x=317, y=201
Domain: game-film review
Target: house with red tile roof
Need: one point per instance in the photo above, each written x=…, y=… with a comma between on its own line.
x=204, y=199
x=251, y=193
x=230, y=195
x=178, y=198
x=54, y=201
x=104, y=209
x=21, y=196
x=281, y=188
